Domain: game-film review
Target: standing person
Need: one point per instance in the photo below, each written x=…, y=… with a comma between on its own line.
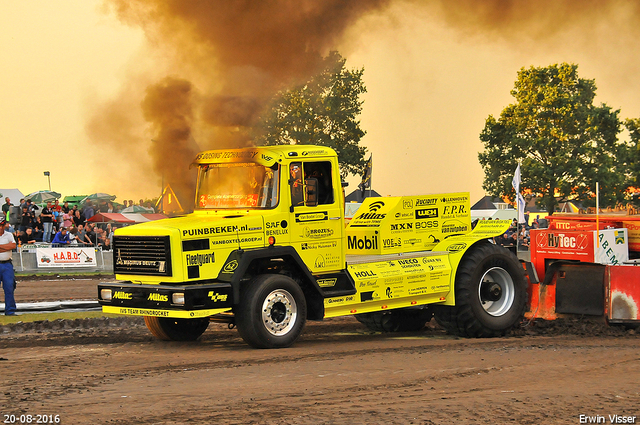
x=78, y=219
x=88, y=211
x=65, y=207
x=6, y=207
x=7, y=277
x=38, y=229
x=66, y=218
x=27, y=219
x=47, y=222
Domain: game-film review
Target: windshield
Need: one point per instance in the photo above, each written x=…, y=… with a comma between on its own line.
x=237, y=185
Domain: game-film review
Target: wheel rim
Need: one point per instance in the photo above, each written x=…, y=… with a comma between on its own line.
x=279, y=312
x=496, y=291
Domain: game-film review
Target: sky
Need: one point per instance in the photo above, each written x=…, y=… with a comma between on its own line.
x=84, y=83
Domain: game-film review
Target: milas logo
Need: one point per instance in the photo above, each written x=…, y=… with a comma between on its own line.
x=372, y=214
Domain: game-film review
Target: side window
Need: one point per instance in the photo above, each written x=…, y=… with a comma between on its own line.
x=316, y=188
x=296, y=184
x=321, y=171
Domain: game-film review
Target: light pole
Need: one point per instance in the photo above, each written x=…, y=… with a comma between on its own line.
x=48, y=174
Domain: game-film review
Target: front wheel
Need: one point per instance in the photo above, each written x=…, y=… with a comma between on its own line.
x=490, y=294
x=272, y=312
x=169, y=329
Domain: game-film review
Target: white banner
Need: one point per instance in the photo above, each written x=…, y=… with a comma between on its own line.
x=611, y=246
x=66, y=257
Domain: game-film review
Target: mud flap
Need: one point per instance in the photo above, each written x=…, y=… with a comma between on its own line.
x=580, y=289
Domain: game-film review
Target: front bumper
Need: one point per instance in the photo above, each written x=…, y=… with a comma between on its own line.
x=193, y=301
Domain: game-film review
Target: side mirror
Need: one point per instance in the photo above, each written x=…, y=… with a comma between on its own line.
x=311, y=192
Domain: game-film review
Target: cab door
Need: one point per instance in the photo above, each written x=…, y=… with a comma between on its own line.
x=317, y=222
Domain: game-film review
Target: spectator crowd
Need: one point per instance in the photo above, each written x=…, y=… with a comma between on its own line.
x=63, y=225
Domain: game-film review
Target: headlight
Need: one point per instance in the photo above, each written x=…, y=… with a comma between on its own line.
x=105, y=294
x=177, y=298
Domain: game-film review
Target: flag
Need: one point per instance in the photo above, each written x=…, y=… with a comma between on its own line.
x=520, y=209
x=365, y=183
x=516, y=179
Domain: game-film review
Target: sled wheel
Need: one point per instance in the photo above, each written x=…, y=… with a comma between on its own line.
x=490, y=294
x=169, y=329
x=272, y=312
x=401, y=320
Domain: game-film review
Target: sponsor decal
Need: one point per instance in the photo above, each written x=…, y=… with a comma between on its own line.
x=400, y=227
x=409, y=263
x=154, y=296
x=215, y=297
x=454, y=226
x=391, y=243
x=226, y=155
x=354, y=242
x=314, y=152
x=404, y=216
x=426, y=202
x=317, y=216
x=319, y=263
x=230, y=266
x=412, y=241
x=317, y=233
x=364, y=274
x=560, y=240
x=327, y=283
x=215, y=230
x=619, y=237
x=427, y=225
x=200, y=259
x=369, y=296
x=457, y=247
x=121, y=295
x=372, y=213
x=455, y=199
x=266, y=157
x=236, y=240
x=453, y=210
x=426, y=213
x=318, y=245
x=407, y=204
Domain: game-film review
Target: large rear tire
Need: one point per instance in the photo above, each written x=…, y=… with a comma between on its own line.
x=401, y=320
x=169, y=329
x=490, y=294
x=272, y=312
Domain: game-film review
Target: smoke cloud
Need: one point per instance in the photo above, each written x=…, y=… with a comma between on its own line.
x=224, y=61
x=219, y=62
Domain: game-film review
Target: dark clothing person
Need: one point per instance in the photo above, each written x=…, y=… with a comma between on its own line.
x=27, y=237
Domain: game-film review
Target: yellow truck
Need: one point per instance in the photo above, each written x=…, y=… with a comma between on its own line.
x=266, y=249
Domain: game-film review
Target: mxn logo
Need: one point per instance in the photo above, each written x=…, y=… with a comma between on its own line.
x=402, y=226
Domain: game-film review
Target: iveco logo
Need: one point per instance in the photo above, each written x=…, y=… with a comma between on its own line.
x=230, y=266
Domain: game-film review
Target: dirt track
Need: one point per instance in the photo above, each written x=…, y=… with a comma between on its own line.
x=112, y=371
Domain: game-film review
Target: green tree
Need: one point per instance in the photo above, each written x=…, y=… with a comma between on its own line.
x=564, y=142
x=323, y=111
x=632, y=156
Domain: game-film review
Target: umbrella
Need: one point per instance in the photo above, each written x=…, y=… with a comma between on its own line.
x=98, y=197
x=137, y=209
x=42, y=196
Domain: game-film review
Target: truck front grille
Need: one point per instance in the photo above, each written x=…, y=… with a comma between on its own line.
x=144, y=255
